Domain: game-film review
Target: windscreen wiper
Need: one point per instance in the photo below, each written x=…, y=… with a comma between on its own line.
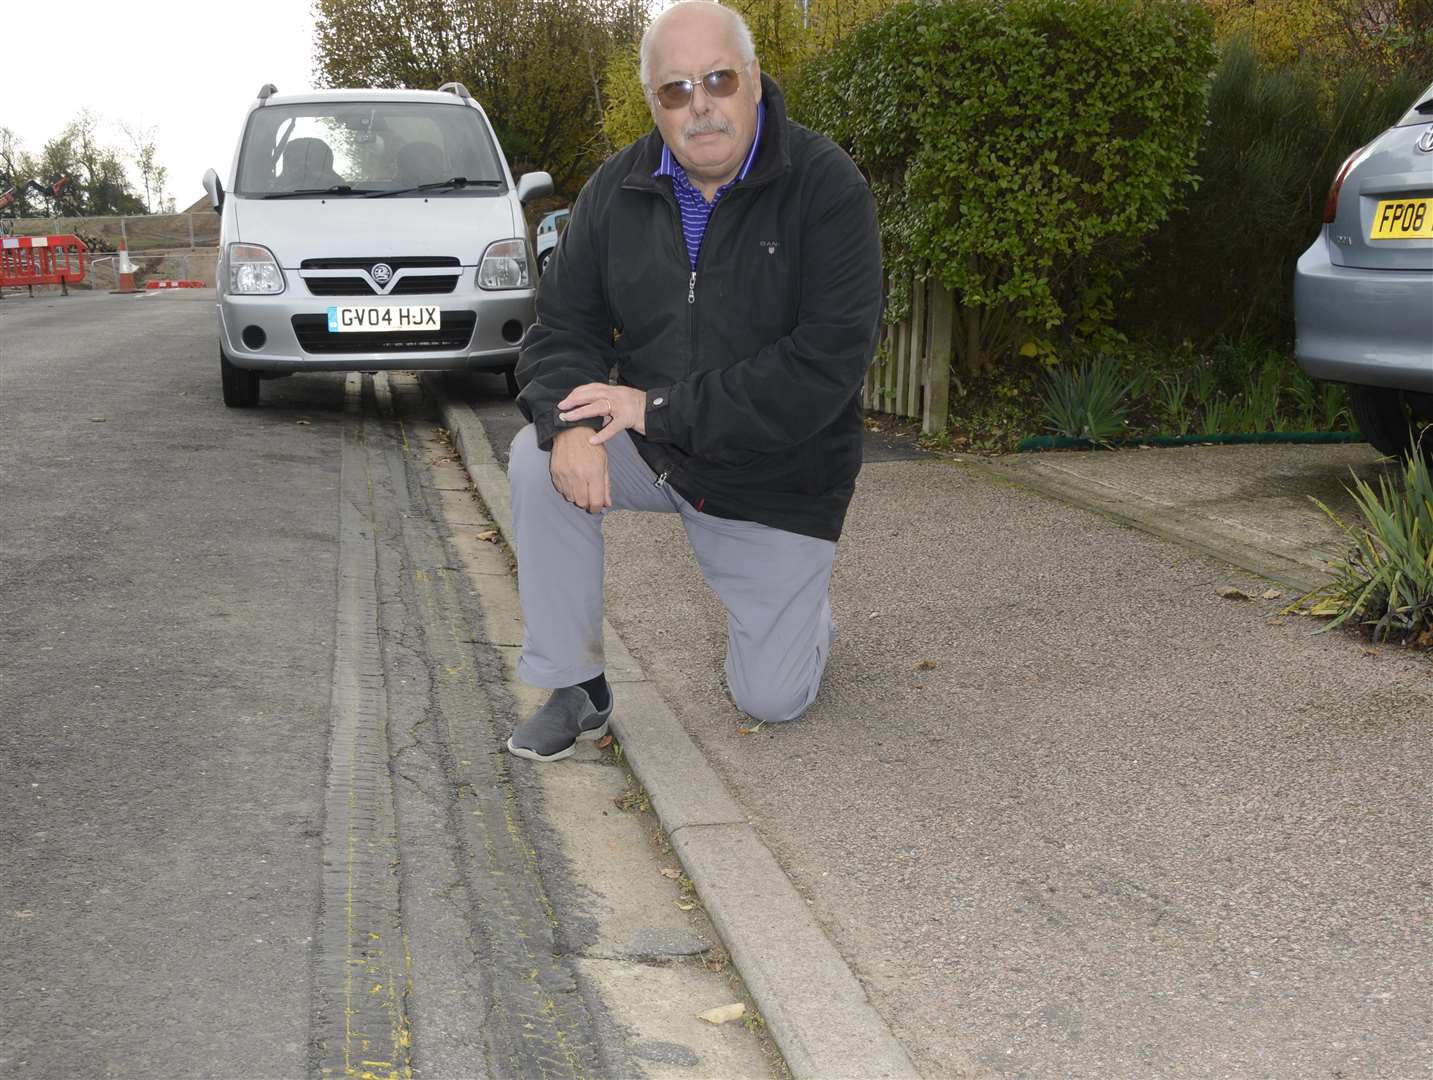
x=337, y=189
x=438, y=185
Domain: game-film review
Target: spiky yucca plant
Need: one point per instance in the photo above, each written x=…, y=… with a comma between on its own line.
x=1385, y=581
x=1086, y=403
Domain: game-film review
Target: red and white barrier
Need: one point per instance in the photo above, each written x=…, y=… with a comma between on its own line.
x=42, y=260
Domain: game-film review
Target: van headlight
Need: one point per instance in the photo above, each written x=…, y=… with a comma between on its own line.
x=253, y=271
x=505, y=266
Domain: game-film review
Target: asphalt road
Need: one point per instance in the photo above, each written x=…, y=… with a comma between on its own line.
x=255, y=816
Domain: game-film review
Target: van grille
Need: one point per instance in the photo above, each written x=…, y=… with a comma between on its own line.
x=431, y=284
x=455, y=332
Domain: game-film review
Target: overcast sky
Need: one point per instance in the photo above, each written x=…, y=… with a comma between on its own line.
x=180, y=68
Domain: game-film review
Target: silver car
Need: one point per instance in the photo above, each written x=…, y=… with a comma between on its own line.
x=368, y=230
x=1363, y=293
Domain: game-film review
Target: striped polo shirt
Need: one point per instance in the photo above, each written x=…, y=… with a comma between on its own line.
x=695, y=209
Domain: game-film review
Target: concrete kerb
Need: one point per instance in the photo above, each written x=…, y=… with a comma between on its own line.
x=815, y=1008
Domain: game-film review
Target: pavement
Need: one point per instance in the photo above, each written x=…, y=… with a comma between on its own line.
x=1061, y=809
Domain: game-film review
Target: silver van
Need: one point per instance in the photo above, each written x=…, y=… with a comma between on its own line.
x=370, y=230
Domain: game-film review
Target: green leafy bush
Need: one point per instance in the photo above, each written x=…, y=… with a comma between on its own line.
x=1019, y=151
x=1385, y=582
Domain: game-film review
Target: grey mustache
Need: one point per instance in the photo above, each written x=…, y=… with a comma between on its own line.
x=701, y=127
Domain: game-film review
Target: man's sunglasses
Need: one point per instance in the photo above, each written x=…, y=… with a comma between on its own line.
x=717, y=84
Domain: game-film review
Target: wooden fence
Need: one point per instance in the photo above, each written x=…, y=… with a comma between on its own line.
x=910, y=376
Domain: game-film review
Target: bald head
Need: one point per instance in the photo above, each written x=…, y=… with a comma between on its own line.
x=699, y=18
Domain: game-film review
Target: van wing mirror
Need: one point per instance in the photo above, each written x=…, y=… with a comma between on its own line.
x=215, y=188
x=533, y=185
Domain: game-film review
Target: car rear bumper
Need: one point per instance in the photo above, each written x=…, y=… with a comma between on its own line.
x=480, y=331
x=1367, y=327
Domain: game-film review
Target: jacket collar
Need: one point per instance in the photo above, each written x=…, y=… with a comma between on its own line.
x=773, y=155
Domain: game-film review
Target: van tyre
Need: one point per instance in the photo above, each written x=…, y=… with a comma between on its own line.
x=1386, y=421
x=241, y=387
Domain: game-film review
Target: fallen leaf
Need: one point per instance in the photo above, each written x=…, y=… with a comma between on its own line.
x=24, y=914
x=925, y=665
x=604, y=742
x=670, y=872
x=490, y=535
x=687, y=905
x=743, y=731
x=1369, y=652
x=304, y=423
x=1272, y=594
x=918, y=686
x=1231, y=593
x=723, y=1014
x=98, y=419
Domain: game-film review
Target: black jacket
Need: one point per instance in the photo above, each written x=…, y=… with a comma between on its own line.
x=752, y=365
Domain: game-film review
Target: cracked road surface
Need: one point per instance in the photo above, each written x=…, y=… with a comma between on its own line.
x=255, y=815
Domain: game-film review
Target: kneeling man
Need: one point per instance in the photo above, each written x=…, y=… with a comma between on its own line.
x=702, y=334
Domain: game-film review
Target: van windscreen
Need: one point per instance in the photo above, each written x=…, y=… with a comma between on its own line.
x=367, y=146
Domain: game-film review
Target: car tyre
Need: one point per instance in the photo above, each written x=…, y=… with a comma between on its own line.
x=241, y=387
x=1386, y=421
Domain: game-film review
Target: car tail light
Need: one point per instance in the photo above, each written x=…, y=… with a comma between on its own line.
x=1331, y=204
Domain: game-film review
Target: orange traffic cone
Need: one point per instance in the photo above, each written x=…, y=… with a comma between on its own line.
x=125, y=269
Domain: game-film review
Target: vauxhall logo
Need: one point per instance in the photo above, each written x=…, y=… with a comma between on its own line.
x=382, y=273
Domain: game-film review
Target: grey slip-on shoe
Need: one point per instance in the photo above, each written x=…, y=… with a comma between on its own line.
x=551, y=733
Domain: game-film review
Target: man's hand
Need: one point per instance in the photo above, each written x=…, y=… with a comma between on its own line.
x=579, y=470
x=618, y=407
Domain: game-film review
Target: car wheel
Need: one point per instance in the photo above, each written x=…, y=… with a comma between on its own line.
x=241, y=387
x=1387, y=422
x=511, y=375
x=543, y=260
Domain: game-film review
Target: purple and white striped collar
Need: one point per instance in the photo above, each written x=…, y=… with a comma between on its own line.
x=670, y=166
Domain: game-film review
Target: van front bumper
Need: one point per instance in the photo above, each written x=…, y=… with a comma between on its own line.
x=479, y=330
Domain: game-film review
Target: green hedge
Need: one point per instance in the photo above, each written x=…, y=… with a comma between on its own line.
x=1019, y=151
x=1222, y=266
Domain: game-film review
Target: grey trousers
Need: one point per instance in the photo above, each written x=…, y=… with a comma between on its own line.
x=774, y=584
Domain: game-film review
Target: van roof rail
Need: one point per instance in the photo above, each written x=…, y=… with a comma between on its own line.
x=267, y=90
x=455, y=88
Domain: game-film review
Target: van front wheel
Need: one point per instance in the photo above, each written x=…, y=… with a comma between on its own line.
x=241, y=387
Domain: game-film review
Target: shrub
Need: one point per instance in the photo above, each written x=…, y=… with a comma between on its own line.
x=1019, y=150
x=1385, y=582
x=1223, y=264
